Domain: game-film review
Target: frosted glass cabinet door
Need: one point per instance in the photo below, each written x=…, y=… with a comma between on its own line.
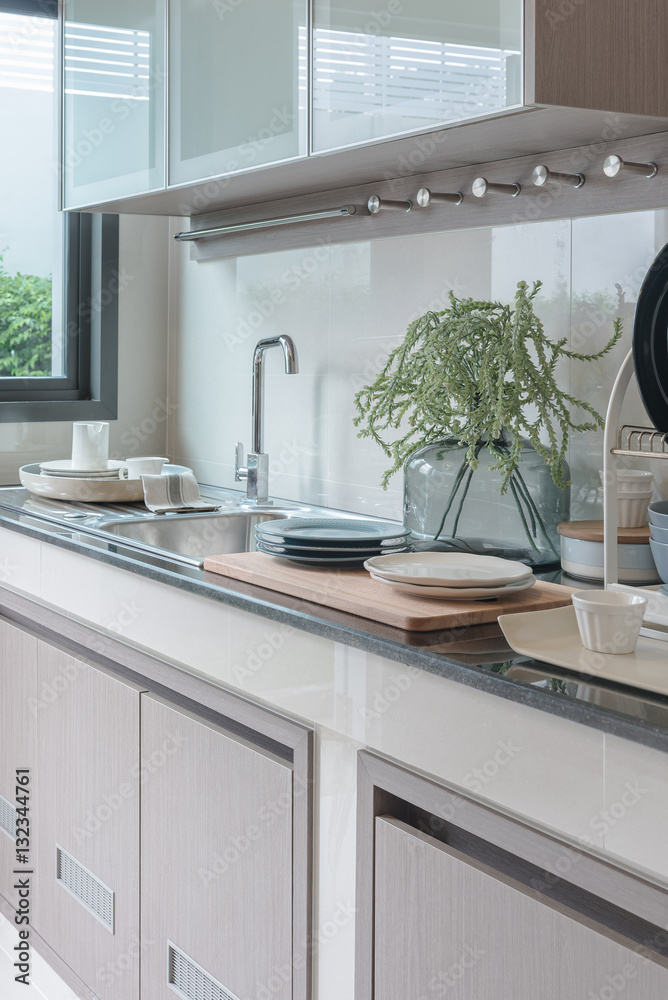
x=113, y=102
x=237, y=85
x=380, y=69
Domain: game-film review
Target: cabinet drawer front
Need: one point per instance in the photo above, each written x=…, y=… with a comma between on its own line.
x=445, y=923
x=216, y=857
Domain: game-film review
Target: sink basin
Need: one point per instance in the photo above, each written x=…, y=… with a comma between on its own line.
x=191, y=537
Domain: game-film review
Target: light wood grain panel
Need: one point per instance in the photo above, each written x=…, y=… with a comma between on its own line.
x=18, y=697
x=532, y=130
x=592, y=531
x=445, y=923
x=354, y=591
x=88, y=803
x=600, y=195
x=616, y=884
x=216, y=857
x=597, y=54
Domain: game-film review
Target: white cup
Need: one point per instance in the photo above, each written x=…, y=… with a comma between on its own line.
x=90, y=445
x=134, y=468
x=609, y=620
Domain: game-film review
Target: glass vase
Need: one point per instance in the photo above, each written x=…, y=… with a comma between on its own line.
x=461, y=508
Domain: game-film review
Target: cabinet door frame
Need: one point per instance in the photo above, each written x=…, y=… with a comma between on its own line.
x=386, y=788
x=233, y=712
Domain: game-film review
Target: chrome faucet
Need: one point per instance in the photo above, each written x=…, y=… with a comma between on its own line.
x=256, y=471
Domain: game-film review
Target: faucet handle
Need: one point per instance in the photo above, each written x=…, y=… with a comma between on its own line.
x=240, y=473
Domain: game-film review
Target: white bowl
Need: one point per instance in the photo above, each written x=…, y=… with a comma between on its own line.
x=631, y=508
x=631, y=480
x=584, y=560
x=609, y=621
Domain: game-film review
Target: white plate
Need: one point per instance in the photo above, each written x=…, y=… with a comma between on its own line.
x=459, y=593
x=553, y=637
x=448, y=569
x=86, y=490
x=64, y=467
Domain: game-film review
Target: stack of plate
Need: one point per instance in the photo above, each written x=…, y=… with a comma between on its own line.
x=65, y=469
x=341, y=541
x=452, y=576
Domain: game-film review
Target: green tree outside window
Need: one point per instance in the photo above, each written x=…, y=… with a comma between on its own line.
x=25, y=324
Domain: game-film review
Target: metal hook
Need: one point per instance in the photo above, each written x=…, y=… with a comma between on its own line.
x=376, y=204
x=542, y=174
x=614, y=165
x=426, y=197
x=481, y=186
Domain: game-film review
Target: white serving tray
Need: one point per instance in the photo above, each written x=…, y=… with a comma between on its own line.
x=84, y=490
x=553, y=637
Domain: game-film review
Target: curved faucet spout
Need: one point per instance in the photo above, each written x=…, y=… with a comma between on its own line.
x=289, y=352
x=291, y=368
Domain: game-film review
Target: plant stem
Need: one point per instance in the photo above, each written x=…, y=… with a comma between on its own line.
x=458, y=479
x=461, y=503
x=532, y=505
x=518, y=502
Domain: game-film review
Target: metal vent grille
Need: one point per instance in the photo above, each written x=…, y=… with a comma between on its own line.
x=190, y=981
x=85, y=887
x=7, y=817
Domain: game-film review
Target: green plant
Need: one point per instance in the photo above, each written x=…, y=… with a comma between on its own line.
x=474, y=372
x=25, y=324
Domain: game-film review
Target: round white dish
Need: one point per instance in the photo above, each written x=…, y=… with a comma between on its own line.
x=86, y=490
x=448, y=569
x=631, y=480
x=65, y=467
x=609, y=621
x=456, y=593
x=631, y=508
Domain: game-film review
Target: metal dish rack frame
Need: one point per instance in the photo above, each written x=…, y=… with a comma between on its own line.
x=629, y=441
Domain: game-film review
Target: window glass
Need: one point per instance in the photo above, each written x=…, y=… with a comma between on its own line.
x=32, y=339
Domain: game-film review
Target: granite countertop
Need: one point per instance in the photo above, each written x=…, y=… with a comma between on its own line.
x=477, y=656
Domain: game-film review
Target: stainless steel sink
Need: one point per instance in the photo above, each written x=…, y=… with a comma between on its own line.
x=191, y=537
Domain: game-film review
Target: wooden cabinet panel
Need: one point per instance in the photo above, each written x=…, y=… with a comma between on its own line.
x=88, y=794
x=18, y=709
x=216, y=858
x=445, y=925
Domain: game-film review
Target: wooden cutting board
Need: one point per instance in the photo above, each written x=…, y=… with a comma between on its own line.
x=354, y=591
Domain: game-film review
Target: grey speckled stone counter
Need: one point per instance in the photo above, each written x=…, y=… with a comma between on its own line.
x=477, y=656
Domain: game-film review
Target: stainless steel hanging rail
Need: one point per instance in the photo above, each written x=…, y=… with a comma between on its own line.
x=244, y=227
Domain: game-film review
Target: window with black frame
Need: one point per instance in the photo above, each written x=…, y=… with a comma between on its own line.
x=59, y=278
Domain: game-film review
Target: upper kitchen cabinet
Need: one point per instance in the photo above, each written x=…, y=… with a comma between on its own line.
x=237, y=85
x=280, y=100
x=113, y=100
x=378, y=73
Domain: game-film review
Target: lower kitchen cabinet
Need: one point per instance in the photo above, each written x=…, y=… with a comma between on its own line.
x=86, y=903
x=217, y=861
x=455, y=899
x=445, y=922
x=18, y=695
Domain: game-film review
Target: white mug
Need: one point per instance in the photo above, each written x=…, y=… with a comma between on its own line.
x=90, y=445
x=133, y=468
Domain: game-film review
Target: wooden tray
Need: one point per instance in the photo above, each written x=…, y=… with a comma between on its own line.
x=354, y=591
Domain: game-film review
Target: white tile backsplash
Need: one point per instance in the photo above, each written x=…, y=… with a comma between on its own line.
x=348, y=306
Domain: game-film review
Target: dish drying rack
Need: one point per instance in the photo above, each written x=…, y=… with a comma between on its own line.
x=631, y=442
